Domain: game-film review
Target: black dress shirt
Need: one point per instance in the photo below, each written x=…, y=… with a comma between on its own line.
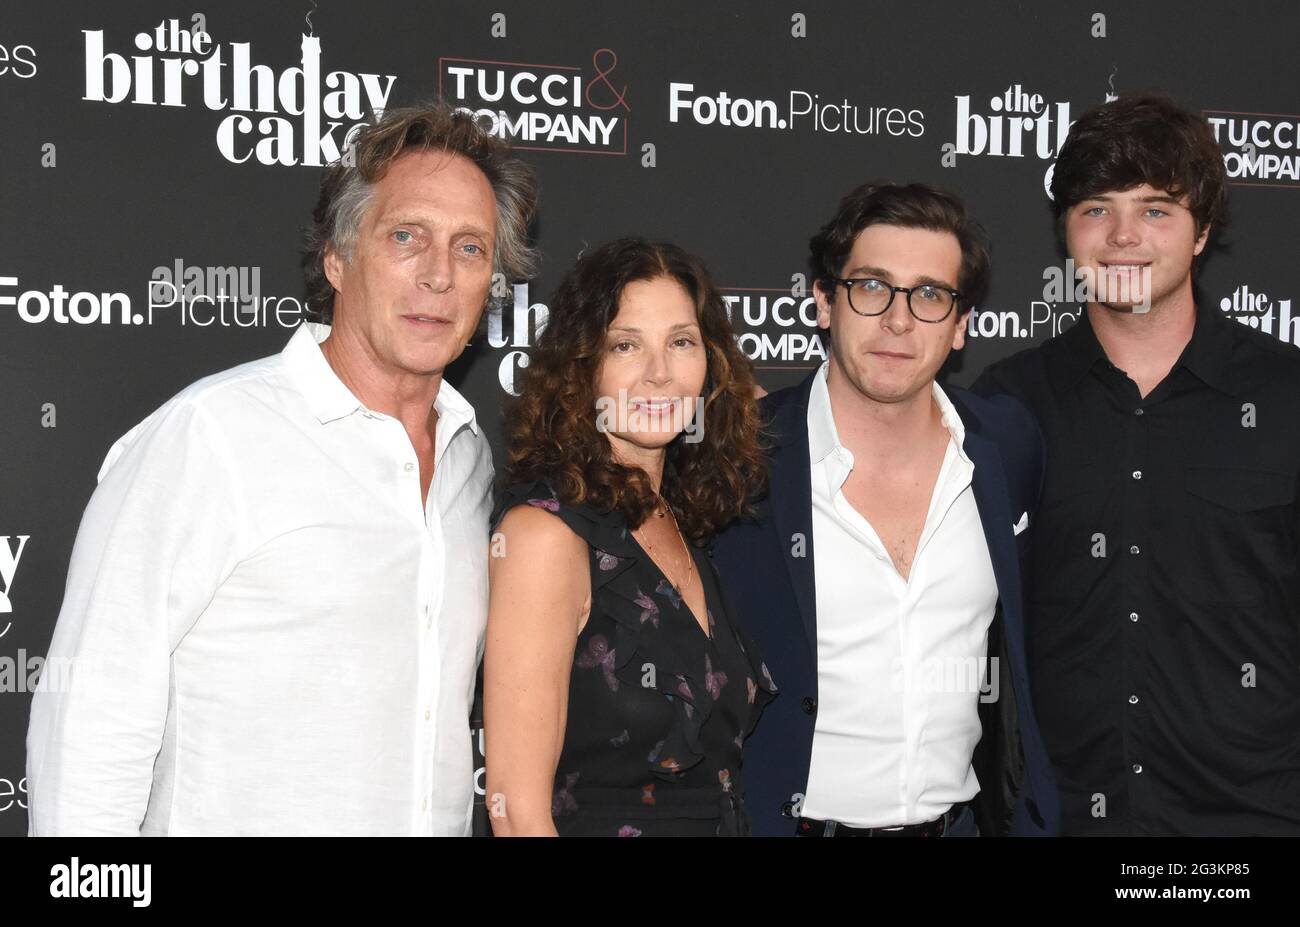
x=1164, y=624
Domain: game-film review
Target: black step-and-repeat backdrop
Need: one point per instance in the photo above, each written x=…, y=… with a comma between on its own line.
x=158, y=161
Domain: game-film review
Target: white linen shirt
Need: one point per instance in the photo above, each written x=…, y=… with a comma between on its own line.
x=273, y=634
x=899, y=661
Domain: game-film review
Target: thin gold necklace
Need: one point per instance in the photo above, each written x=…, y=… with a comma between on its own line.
x=690, y=562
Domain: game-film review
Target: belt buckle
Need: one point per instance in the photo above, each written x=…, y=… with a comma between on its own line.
x=817, y=828
x=936, y=828
x=943, y=823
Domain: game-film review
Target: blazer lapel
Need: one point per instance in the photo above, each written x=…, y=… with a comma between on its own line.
x=790, y=499
x=994, y=505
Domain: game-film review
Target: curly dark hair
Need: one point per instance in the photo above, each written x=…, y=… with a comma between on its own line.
x=1137, y=139
x=913, y=206
x=347, y=187
x=551, y=430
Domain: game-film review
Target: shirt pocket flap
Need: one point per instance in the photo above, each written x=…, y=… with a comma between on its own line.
x=1241, y=489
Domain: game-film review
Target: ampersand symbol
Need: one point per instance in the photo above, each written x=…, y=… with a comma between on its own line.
x=602, y=78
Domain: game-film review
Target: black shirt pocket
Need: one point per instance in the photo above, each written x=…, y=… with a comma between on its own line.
x=1241, y=489
x=1240, y=525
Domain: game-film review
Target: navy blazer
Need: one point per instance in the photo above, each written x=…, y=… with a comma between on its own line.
x=774, y=596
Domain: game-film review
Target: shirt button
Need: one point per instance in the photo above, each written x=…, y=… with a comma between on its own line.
x=1137, y=768
x=1137, y=474
x=408, y=467
x=1137, y=411
x=424, y=804
x=1132, y=699
x=426, y=714
x=1132, y=616
x=1135, y=550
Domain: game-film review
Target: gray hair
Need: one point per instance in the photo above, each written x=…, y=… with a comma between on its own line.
x=348, y=188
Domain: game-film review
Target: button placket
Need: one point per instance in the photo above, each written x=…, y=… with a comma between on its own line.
x=432, y=592
x=429, y=583
x=1134, y=521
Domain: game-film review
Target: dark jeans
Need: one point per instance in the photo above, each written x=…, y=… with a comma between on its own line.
x=964, y=826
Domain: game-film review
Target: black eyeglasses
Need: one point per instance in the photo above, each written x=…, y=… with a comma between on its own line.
x=927, y=302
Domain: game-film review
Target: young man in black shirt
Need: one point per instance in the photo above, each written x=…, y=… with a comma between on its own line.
x=1164, y=621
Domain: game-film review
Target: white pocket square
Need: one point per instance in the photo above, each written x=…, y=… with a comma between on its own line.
x=1022, y=524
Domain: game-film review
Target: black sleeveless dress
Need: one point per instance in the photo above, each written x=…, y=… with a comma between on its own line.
x=658, y=711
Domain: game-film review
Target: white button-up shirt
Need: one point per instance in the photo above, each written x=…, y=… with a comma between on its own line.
x=900, y=662
x=272, y=634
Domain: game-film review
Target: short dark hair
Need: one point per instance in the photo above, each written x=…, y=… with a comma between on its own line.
x=910, y=206
x=347, y=187
x=1136, y=139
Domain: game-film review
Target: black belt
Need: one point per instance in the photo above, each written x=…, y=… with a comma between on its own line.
x=811, y=827
x=699, y=802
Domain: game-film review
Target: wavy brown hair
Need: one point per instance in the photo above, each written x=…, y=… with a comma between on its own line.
x=551, y=430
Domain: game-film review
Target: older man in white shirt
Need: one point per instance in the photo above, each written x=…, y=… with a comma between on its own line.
x=279, y=587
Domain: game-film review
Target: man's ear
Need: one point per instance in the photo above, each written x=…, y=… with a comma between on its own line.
x=334, y=269
x=823, y=305
x=959, y=336
x=1201, y=240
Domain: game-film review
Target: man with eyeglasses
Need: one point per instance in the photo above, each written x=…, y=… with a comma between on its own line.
x=882, y=575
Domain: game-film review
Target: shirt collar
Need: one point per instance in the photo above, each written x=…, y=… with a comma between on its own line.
x=1206, y=354
x=1078, y=350
x=824, y=438
x=951, y=420
x=454, y=410
x=329, y=398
